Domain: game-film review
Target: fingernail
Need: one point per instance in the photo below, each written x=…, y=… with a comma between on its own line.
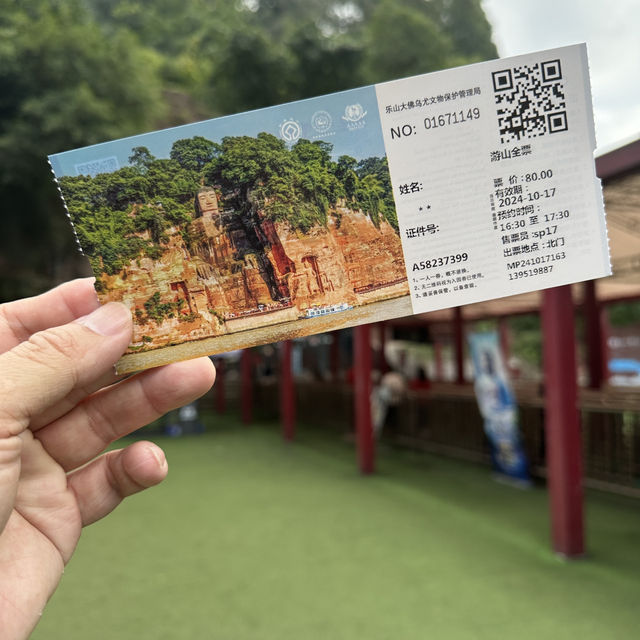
x=158, y=454
x=108, y=320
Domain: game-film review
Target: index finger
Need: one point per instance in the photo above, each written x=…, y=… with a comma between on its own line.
x=19, y=320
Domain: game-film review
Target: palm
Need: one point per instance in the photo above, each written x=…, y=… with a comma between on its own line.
x=45, y=524
x=60, y=413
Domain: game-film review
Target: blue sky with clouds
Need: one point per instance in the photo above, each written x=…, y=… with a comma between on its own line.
x=348, y=120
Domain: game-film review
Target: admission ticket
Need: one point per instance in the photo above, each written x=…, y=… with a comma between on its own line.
x=405, y=197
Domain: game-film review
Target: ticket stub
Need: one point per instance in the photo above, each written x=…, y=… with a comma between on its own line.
x=405, y=197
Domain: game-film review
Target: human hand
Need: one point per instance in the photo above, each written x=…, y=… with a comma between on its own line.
x=61, y=404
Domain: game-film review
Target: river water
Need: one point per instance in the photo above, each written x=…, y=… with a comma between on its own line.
x=374, y=312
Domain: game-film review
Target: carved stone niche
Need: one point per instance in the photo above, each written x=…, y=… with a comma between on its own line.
x=182, y=292
x=311, y=262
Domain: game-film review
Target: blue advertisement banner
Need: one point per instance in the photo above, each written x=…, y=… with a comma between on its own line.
x=497, y=405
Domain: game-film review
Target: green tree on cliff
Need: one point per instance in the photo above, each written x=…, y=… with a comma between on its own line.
x=108, y=239
x=261, y=167
x=127, y=213
x=77, y=72
x=379, y=167
x=301, y=184
x=347, y=176
x=141, y=159
x=193, y=154
x=316, y=181
x=152, y=194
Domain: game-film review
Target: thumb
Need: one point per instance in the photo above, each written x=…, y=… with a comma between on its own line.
x=38, y=373
x=41, y=371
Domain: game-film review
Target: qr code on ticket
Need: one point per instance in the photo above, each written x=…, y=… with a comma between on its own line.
x=530, y=100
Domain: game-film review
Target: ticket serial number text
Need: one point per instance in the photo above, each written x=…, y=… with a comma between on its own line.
x=440, y=261
x=435, y=122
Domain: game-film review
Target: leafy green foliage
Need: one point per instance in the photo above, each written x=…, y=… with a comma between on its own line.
x=194, y=153
x=624, y=314
x=78, y=72
x=108, y=240
x=109, y=210
x=377, y=192
x=63, y=83
x=158, y=311
x=425, y=45
x=527, y=339
x=301, y=184
x=124, y=215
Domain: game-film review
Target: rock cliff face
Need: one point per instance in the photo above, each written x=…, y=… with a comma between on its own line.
x=226, y=271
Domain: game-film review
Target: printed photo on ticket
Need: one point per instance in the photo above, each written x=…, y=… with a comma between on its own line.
x=405, y=197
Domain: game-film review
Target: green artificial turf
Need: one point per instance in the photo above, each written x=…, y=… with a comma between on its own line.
x=253, y=538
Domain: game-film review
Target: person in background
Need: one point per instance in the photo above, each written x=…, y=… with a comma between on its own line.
x=61, y=404
x=385, y=399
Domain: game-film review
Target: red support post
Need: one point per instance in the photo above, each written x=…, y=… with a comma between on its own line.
x=246, y=383
x=221, y=401
x=383, y=365
x=458, y=343
x=287, y=393
x=334, y=355
x=604, y=342
x=362, y=398
x=562, y=422
x=437, y=353
x=593, y=335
